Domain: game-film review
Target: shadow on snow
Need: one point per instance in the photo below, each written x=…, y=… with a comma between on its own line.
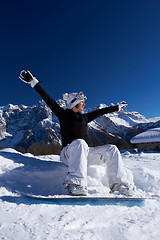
x=35, y=176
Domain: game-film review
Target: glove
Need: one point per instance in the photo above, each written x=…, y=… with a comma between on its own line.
x=27, y=77
x=122, y=105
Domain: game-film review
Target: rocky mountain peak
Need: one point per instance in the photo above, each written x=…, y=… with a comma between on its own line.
x=22, y=126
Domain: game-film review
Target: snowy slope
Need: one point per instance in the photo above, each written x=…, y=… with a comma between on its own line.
x=22, y=218
x=151, y=135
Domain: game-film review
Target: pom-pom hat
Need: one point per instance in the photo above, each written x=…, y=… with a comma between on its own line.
x=74, y=98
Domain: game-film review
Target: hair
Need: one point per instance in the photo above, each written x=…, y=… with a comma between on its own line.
x=77, y=105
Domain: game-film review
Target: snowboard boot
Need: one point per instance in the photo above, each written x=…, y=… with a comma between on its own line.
x=122, y=189
x=77, y=190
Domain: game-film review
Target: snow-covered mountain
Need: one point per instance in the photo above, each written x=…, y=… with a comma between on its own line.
x=22, y=126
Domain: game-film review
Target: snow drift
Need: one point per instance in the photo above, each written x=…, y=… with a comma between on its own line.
x=22, y=218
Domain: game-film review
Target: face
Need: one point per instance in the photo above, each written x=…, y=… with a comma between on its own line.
x=80, y=107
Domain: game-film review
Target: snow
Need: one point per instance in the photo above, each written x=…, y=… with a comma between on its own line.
x=154, y=119
x=151, y=135
x=25, y=218
x=127, y=119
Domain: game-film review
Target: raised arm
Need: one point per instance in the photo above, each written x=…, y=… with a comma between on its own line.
x=97, y=113
x=27, y=77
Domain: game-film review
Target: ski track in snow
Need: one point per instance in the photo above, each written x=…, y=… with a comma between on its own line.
x=24, y=218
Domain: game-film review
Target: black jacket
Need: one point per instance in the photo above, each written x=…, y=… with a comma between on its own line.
x=73, y=125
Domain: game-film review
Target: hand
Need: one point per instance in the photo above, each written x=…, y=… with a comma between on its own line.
x=122, y=105
x=27, y=77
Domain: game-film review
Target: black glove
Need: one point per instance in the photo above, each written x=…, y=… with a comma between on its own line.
x=27, y=77
x=122, y=104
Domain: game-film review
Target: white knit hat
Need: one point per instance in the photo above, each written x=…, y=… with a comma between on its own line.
x=73, y=98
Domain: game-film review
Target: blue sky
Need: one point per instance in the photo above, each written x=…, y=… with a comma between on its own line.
x=110, y=50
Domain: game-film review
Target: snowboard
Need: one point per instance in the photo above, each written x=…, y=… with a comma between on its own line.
x=91, y=200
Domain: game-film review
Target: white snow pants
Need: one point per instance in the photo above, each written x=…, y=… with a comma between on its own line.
x=77, y=156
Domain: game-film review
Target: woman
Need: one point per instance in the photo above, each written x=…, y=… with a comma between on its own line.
x=76, y=153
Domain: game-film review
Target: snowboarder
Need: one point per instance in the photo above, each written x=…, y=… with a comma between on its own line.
x=76, y=153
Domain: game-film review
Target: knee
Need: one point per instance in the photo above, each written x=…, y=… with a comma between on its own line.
x=112, y=149
x=80, y=142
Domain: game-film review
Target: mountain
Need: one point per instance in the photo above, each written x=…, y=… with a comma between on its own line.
x=36, y=128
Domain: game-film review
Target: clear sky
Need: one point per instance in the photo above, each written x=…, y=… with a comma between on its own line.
x=108, y=49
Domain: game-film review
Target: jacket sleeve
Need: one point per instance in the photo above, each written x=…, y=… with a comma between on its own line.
x=53, y=105
x=97, y=113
